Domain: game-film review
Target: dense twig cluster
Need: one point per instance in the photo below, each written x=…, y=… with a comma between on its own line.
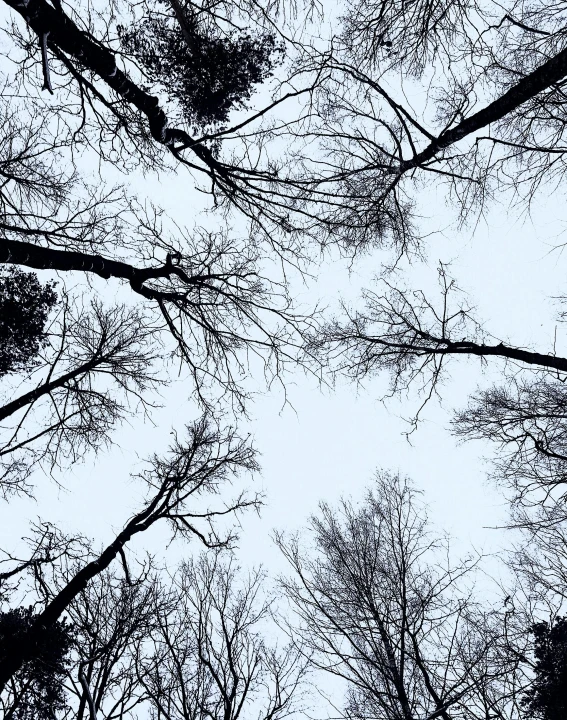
x=332, y=152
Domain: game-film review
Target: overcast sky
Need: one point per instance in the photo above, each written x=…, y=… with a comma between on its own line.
x=327, y=443
x=330, y=442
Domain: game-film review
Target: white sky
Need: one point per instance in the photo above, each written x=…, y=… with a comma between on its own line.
x=330, y=443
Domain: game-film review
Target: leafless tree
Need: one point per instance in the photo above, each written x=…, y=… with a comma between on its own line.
x=104, y=624
x=210, y=292
x=538, y=560
x=469, y=96
x=111, y=618
x=492, y=86
x=221, y=299
x=380, y=604
x=207, y=299
x=526, y=419
x=179, y=489
x=413, y=338
x=98, y=366
x=211, y=658
x=196, y=647
x=107, y=97
x=47, y=545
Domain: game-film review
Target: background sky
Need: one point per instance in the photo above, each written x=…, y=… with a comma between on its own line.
x=327, y=443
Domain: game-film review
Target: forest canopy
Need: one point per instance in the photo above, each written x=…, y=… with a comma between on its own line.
x=208, y=205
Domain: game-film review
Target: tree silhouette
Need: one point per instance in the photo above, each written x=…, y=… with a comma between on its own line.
x=547, y=697
x=41, y=691
x=208, y=74
x=24, y=306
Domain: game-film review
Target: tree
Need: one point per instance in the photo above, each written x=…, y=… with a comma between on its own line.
x=97, y=366
x=112, y=618
x=207, y=292
x=463, y=95
x=200, y=296
x=208, y=74
x=546, y=698
x=110, y=102
x=210, y=300
x=24, y=307
x=194, y=645
x=195, y=471
x=526, y=419
x=414, y=338
x=210, y=658
x=40, y=692
x=379, y=604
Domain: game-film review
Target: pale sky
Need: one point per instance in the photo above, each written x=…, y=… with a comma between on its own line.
x=331, y=442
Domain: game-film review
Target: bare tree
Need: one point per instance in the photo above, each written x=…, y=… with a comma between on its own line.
x=539, y=560
x=379, y=604
x=204, y=298
x=179, y=487
x=98, y=366
x=413, y=339
x=215, y=296
x=194, y=647
x=468, y=96
x=210, y=295
x=526, y=420
x=111, y=618
x=211, y=658
x=47, y=545
x=491, y=75
x=221, y=299
x=205, y=59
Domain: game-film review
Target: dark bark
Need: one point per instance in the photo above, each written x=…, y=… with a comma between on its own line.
x=63, y=35
x=546, y=75
x=500, y=350
x=192, y=469
x=54, y=609
x=44, y=389
x=42, y=258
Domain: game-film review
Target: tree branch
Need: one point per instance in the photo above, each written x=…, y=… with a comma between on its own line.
x=42, y=258
x=62, y=33
x=543, y=77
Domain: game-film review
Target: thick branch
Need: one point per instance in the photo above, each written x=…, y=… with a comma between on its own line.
x=192, y=470
x=42, y=258
x=48, y=387
x=441, y=346
x=11, y=664
x=62, y=33
x=528, y=87
x=511, y=353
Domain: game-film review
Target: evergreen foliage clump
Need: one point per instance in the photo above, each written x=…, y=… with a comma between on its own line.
x=207, y=73
x=24, y=306
x=547, y=697
x=41, y=677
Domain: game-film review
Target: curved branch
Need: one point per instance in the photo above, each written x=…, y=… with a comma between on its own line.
x=42, y=258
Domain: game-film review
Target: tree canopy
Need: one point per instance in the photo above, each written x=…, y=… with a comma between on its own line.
x=24, y=308
x=315, y=136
